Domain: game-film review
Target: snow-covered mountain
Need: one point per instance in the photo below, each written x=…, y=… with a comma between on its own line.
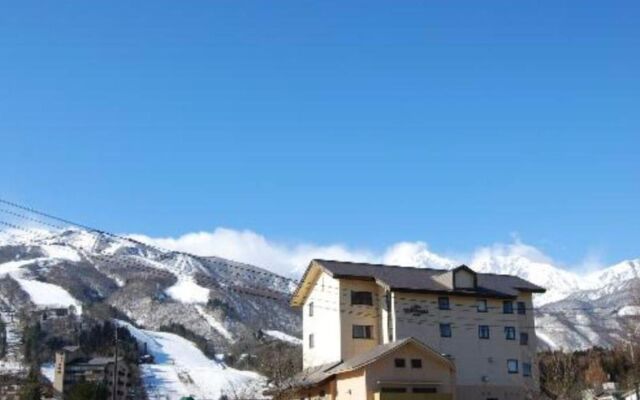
x=218, y=299
x=223, y=300
x=578, y=310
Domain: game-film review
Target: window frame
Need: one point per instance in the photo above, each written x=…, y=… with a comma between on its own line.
x=525, y=336
x=312, y=341
x=521, y=307
x=400, y=363
x=481, y=329
x=445, y=326
x=485, y=305
x=416, y=363
x=311, y=309
x=507, y=307
x=367, y=331
x=393, y=390
x=510, y=362
x=444, y=303
x=526, y=369
x=357, y=298
x=510, y=329
x=430, y=389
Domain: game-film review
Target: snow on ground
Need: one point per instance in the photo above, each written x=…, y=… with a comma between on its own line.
x=187, y=291
x=61, y=252
x=48, y=371
x=41, y=293
x=215, y=324
x=283, y=337
x=48, y=294
x=181, y=369
x=12, y=361
x=552, y=345
x=13, y=267
x=629, y=311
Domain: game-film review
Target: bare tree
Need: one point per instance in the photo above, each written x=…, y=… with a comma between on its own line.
x=631, y=337
x=560, y=376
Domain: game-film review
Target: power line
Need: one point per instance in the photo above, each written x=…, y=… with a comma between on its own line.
x=121, y=237
x=276, y=294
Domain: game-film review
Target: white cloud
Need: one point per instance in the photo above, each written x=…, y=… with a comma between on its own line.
x=415, y=254
x=291, y=259
x=252, y=248
x=509, y=251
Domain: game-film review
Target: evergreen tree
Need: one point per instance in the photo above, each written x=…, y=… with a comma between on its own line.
x=31, y=389
x=88, y=391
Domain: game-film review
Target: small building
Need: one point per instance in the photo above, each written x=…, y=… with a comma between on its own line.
x=46, y=314
x=402, y=369
x=72, y=367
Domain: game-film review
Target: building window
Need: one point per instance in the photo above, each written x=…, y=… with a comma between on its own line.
x=445, y=330
x=399, y=362
x=393, y=390
x=416, y=363
x=512, y=366
x=311, y=309
x=425, y=390
x=362, y=331
x=443, y=303
x=524, y=338
x=482, y=305
x=311, y=341
x=483, y=331
x=522, y=308
x=361, y=298
x=507, y=307
x=510, y=333
x=526, y=369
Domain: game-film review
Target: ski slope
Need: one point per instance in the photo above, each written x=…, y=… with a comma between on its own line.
x=181, y=369
x=283, y=337
x=42, y=294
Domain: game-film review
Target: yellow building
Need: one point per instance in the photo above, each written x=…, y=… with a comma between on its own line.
x=482, y=323
x=404, y=369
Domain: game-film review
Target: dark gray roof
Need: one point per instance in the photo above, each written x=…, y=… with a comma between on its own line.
x=422, y=279
x=101, y=360
x=312, y=376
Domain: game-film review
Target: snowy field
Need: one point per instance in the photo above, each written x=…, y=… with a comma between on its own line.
x=181, y=369
x=41, y=293
x=284, y=337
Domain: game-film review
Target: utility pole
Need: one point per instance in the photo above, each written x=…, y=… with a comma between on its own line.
x=114, y=389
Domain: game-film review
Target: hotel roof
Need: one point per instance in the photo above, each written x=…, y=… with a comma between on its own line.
x=411, y=279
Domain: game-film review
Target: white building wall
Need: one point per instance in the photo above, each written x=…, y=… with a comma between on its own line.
x=324, y=325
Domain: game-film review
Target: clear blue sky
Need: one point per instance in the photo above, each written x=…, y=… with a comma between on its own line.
x=453, y=122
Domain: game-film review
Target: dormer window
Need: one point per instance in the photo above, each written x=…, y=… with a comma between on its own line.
x=464, y=278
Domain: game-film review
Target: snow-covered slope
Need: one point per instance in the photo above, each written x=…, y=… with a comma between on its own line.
x=180, y=369
x=214, y=298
